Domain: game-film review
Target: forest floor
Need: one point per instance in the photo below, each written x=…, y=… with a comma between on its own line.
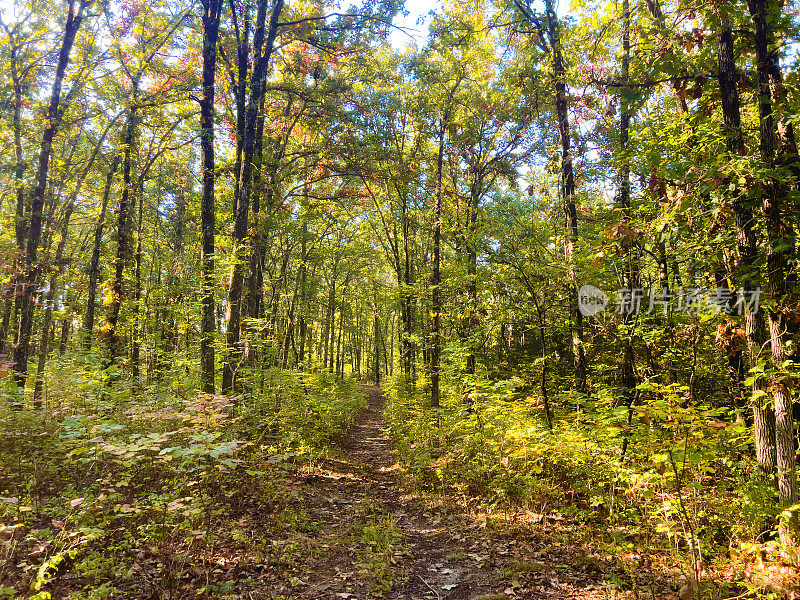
x=347, y=525
x=378, y=539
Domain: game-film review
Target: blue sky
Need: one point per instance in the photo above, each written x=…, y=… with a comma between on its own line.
x=416, y=9
x=421, y=8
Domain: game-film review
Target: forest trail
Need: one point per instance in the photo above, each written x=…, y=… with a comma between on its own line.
x=378, y=540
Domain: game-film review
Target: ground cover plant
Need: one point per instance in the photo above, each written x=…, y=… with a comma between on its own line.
x=122, y=498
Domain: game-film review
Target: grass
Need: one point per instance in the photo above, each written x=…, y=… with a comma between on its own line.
x=379, y=539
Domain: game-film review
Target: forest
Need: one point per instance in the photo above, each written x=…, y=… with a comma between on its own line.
x=290, y=309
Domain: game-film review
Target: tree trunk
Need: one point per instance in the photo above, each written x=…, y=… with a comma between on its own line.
x=127, y=202
x=746, y=273
x=288, y=335
x=774, y=194
x=20, y=224
x=406, y=348
x=472, y=283
x=48, y=314
x=66, y=326
x=233, y=313
x=11, y=294
x=303, y=291
x=631, y=270
x=254, y=286
x=436, y=278
x=543, y=379
x=255, y=276
x=20, y=228
x=94, y=266
x=32, y=268
x=339, y=358
x=376, y=333
x=568, y=189
x=390, y=356
x=329, y=321
x=212, y=10
x=137, y=293
x=239, y=85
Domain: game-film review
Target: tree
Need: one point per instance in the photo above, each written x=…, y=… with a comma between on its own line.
x=23, y=65
x=137, y=54
x=551, y=31
x=55, y=112
x=212, y=11
x=778, y=150
x=747, y=271
x=94, y=265
x=262, y=52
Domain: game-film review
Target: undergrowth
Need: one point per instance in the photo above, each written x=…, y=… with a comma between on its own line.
x=685, y=502
x=109, y=489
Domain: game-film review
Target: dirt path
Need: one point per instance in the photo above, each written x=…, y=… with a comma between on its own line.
x=376, y=539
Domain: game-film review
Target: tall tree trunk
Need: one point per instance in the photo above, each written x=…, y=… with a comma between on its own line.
x=288, y=335
x=127, y=203
x=568, y=179
x=255, y=278
x=543, y=379
x=631, y=270
x=407, y=349
x=472, y=271
x=16, y=42
x=20, y=223
x=239, y=84
x=356, y=342
x=303, y=297
x=279, y=288
x=233, y=313
x=94, y=265
x=32, y=268
x=66, y=323
x=329, y=334
x=20, y=226
x=775, y=192
x=376, y=333
x=568, y=190
x=339, y=357
x=254, y=286
x=44, y=345
x=747, y=270
x=137, y=294
x=332, y=352
x=436, y=278
x=390, y=331
x=212, y=10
